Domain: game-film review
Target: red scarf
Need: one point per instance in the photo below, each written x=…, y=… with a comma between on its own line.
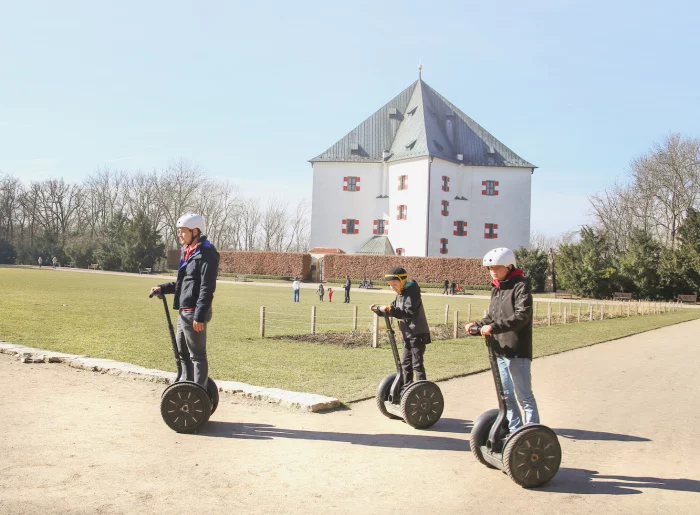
x=516, y=271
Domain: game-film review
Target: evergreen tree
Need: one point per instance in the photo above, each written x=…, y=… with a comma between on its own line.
x=534, y=264
x=586, y=267
x=638, y=268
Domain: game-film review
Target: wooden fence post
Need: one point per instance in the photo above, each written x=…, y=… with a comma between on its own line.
x=579, y=312
x=549, y=313
x=313, y=319
x=590, y=312
x=447, y=311
x=565, y=313
x=628, y=309
x=455, y=330
x=469, y=313
x=262, y=321
x=375, y=331
x=354, y=318
x=602, y=310
x=535, y=315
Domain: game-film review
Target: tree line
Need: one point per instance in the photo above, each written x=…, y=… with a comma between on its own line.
x=119, y=219
x=645, y=235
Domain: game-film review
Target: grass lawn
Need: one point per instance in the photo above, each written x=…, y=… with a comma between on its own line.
x=111, y=316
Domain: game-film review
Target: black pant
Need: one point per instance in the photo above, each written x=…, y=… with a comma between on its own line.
x=347, y=296
x=413, y=362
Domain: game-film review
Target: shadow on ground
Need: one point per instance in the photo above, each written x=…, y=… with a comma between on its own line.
x=424, y=440
x=583, y=434
x=581, y=481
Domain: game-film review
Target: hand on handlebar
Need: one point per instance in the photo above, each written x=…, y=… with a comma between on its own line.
x=378, y=309
x=155, y=291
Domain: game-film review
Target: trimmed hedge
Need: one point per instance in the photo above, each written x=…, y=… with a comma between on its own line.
x=281, y=264
x=424, y=270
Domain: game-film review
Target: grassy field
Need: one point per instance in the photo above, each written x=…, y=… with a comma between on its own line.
x=111, y=316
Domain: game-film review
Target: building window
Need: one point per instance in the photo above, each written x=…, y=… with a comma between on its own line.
x=403, y=182
x=491, y=231
x=351, y=184
x=351, y=226
x=443, y=245
x=445, y=183
x=400, y=252
x=445, y=208
x=380, y=227
x=460, y=228
x=489, y=188
x=401, y=212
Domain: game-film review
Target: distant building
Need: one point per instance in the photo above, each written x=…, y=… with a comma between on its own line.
x=420, y=178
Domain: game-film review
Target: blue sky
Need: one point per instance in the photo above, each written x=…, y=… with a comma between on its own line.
x=252, y=91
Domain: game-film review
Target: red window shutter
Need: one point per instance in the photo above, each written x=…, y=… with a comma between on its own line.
x=495, y=187
x=345, y=184
x=357, y=184
x=345, y=226
x=374, y=228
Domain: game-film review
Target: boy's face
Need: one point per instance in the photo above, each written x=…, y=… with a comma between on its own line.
x=395, y=285
x=186, y=235
x=498, y=272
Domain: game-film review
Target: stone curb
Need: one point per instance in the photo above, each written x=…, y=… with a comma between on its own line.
x=292, y=400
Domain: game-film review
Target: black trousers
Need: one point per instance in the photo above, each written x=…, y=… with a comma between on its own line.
x=413, y=362
x=347, y=296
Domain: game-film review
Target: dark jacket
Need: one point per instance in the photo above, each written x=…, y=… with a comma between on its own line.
x=347, y=284
x=510, y=316
x=408, y=308
x=196, y=280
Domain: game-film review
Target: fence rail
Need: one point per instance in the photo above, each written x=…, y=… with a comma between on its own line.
x=285, y=323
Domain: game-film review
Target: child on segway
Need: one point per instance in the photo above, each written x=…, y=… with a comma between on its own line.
x=508, y=328
x=408, y=309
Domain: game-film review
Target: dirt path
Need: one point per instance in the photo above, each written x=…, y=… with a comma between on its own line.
x=78, y=442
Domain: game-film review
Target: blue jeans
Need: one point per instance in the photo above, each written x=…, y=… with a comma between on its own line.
x=296, y=295
x=516, y=377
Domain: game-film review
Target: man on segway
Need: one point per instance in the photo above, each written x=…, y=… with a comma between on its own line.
x=509, y=324
x=408, y=309
x=194, y=294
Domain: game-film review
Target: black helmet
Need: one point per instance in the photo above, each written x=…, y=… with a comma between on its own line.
x=396, y=273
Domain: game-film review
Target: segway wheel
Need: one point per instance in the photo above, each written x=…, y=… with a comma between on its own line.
x=383, y=391
x=480, y=434
x=532, y=456
x=213, y=392
x=422, y=404
x=185, y=406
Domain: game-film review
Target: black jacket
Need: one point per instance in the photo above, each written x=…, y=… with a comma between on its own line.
x=408, y=308
x=196, y=280
x=510, y=316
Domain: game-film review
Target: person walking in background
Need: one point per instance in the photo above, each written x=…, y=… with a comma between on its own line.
x=446, y=287
x=296, y=285
x=453, y=288
x=320, y=292
x=39, y=261
x=139, y=268
x=347, y=289
x=330, y=294
x=53, y=262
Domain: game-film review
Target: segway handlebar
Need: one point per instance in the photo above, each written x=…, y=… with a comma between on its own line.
x=159, y=294
x=474, y=330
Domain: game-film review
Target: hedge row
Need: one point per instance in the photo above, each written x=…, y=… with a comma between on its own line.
x=284, y=264
x=429, y=270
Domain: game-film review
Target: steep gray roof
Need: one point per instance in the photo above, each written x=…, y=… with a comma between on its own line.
x=378, y=245
x=421, y=122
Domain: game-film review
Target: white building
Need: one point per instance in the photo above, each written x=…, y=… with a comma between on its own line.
x=420, y=178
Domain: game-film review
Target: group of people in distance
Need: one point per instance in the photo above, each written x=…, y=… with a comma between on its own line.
x=507, y=325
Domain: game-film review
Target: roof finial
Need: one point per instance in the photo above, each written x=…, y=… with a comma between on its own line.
x=420, y=67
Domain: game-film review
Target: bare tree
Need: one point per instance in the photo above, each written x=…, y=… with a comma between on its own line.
x=299, y=228
x=10, y=191
x=273, y=225
x=249, y=218
x=58, y=204
x=179, y=187
x=219, y=208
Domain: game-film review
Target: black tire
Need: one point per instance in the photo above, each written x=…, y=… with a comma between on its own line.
x=185, y=406
x=213, y=392
x=422, y=404
x=480, y=434
x=532, y=456
x=383, y=391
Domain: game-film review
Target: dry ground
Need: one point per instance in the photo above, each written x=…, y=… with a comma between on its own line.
x=625, y=412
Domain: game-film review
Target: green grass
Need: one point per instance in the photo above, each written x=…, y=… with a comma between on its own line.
x=111, y=316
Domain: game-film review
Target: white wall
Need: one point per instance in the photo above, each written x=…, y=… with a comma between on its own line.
x=331, y=205
x=409, y=234
x=510, y=209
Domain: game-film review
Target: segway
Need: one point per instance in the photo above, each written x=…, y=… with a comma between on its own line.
x=531, y=455
x=185, y=405
x=420, y=404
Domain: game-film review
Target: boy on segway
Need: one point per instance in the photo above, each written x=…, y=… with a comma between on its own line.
x=194, y=294
x=408, y=309
x=508, y=328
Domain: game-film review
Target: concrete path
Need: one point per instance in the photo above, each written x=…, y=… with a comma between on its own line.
x=74, y=441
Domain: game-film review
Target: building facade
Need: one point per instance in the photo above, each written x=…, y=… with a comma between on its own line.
x=423, y=177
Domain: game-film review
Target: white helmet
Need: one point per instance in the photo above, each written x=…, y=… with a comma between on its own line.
x=501, y=256
x=192, y=222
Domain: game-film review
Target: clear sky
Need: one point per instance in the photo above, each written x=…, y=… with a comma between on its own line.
x=251, y=91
